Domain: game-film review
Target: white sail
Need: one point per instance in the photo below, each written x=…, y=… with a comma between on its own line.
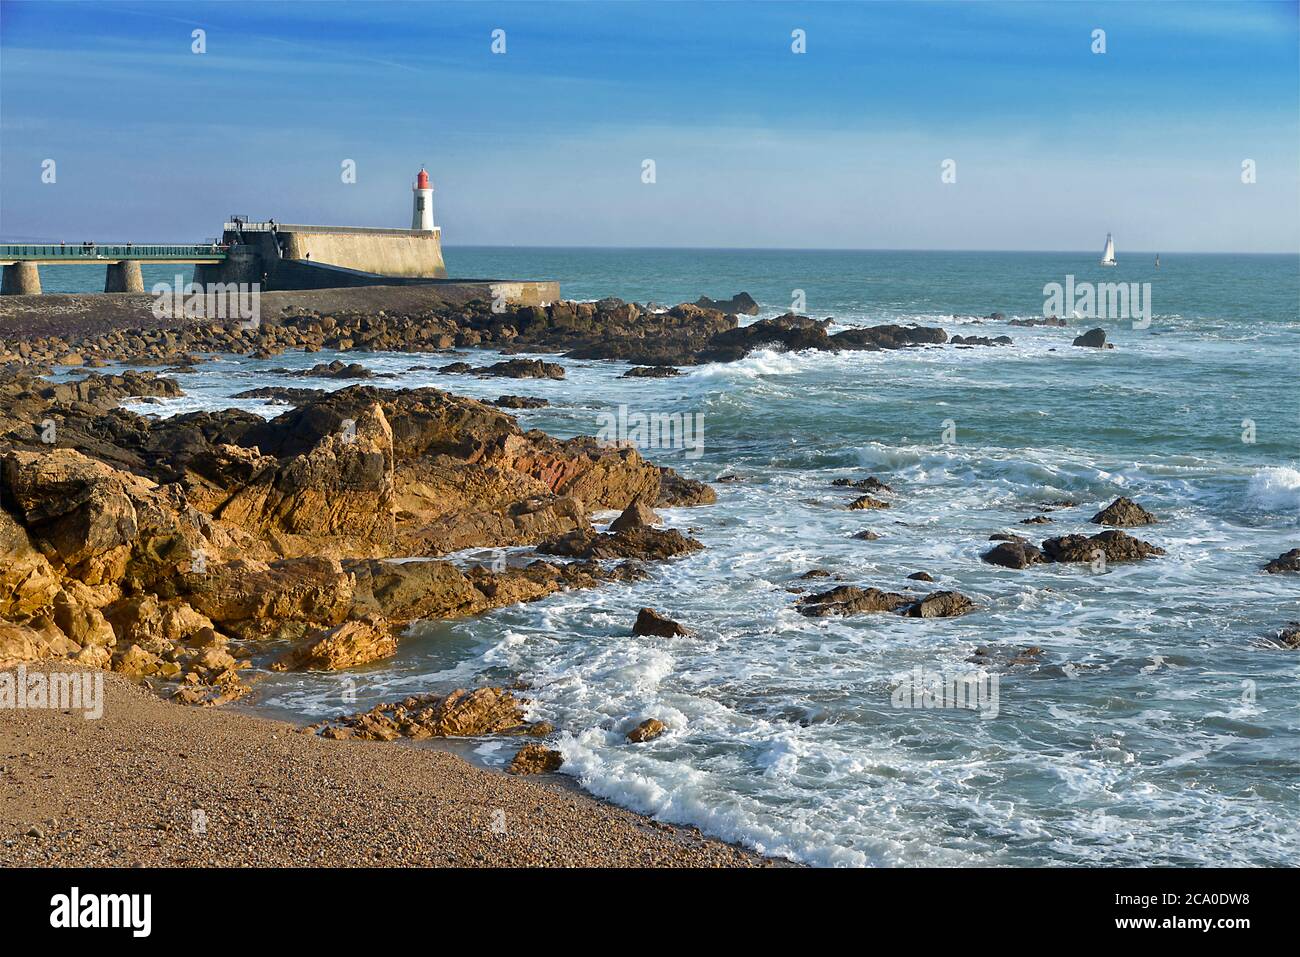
x=1108, y=254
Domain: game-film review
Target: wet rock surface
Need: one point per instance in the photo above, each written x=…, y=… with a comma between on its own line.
x=1093, y=339
x=1286, y=562
x=535, y=759
x=1123, y=513
x=1115, y=545
x=647, y=730
x=650, y=622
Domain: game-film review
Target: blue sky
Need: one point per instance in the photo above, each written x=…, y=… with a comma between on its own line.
x=754, y=145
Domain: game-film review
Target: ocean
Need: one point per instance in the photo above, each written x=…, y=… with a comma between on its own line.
x=1159, y=725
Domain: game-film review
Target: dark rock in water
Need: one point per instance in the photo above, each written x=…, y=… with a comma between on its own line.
x=851, y=600
x=1286, y=562
x=647, y=730
x=642, y=542
x=921, y=577
x=887, y=337
x=790, y=333
x=980, y=341
x=941, y=604
x=1123, y=513
x=815, y=573
x=651, y=372
x=1036, y=520
x=1289, y=634
x=866, y=535
x=1008, y=537
x=1013, y=554
x=1035, y=321
x=729, y=477
x=281, y=393
x=1005, y=656
x=868, y=484
x=1093, y=339
x=866, y=501
x=636, y=515
x=1115, y=545
x=742, y=304
x=337, y=370
x=524, y=369
x=995, y=316
x=509, y=368
x=650, y=622
x=520, y=402
x=676, y=491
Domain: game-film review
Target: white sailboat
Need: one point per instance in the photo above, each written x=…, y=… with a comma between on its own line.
x=1108, y=254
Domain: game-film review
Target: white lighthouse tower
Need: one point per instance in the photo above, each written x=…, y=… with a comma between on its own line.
x=422, y=203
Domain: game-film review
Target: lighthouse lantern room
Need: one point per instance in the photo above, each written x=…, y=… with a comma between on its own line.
x=422, y=203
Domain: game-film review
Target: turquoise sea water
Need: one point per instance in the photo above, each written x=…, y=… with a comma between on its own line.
x=1161, y=726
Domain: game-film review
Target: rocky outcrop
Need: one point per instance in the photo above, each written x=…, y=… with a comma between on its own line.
x=643, y=543
x=509, y=369
x=282, y=599
x=677, y=491
x=637, y=515
x=941, y=604
x=852, y=600
x=1123, y=513
x=1036, y=321
x=1286, y=562
x=334, y=370
x=348, y=645
x=1013, y=555
x=100, y=525
x=520, y=402
x=1116, y=546
x=742, y=303
x=867, y=502
x=650, y=622
x=535, y=759
x=461, y=713
x=868, y=484
x=337, y=498
x=1093, y=339
x=651, y=372
x=647, y=730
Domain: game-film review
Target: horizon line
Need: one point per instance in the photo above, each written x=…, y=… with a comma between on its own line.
x=751, y=249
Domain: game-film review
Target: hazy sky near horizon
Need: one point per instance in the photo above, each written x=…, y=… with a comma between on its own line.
x=754, y=145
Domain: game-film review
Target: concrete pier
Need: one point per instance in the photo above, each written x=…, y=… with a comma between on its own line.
x=21, y=279
x=124, y=276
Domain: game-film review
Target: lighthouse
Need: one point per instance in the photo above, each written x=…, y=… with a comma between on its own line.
x=422, y=203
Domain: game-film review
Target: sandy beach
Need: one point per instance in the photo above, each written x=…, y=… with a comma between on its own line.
x=122, y=791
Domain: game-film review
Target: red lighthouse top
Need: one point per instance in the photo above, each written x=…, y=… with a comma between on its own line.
x=422, y=181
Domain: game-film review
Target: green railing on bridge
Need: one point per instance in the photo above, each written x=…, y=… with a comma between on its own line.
x=10, y=252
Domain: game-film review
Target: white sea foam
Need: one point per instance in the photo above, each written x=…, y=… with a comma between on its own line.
x=1274, y=489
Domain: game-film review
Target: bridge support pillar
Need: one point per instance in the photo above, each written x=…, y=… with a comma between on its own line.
x=124, y=276
x=21, y=279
